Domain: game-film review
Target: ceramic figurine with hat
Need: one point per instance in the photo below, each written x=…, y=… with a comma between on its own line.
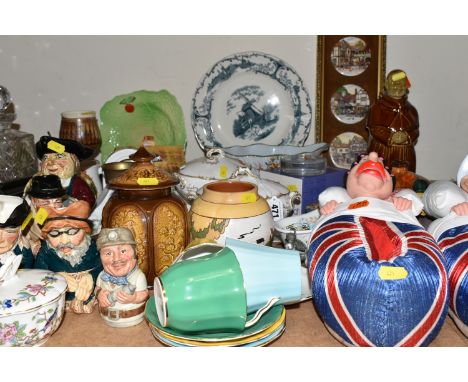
x=393, y=122
x=13, y=212
x=377, y=276
x=121, y=286
x=45, y=191
x=62, y=157
x=69, y=250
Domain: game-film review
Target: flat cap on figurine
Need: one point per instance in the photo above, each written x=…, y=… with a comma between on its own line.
x=13, y=211
x=82, y=152
x=114, y=236
x=46, y=187
x=75, y=216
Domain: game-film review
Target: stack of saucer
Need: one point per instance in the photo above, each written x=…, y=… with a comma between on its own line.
x=268, y=328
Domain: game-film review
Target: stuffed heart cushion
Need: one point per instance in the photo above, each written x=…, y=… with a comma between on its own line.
x=451, y=234
x=377, y=282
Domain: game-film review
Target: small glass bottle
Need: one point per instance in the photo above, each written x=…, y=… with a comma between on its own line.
x=17, y=150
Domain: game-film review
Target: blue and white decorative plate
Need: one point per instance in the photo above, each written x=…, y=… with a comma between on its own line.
x=251, y=98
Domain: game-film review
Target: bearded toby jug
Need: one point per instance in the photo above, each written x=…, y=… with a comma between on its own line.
x=144, y=203
x=69, y=250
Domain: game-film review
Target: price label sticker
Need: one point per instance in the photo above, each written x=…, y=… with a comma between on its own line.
x=361, y=204
x=55, y=146
x=248, y=197
x=26, y=221
x=292, y=187
x=148, y=181
x=41, y=216
x=223, y=171
x=392, y=273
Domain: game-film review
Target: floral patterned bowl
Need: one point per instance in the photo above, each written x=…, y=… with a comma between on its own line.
x=31, y=307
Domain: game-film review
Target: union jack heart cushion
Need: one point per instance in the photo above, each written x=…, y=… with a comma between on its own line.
x=377, y=282
x=451, y=234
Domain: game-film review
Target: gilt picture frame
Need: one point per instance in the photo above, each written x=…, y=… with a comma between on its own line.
x=350, y=77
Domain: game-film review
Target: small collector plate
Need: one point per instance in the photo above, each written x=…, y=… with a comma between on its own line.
x=350, y=104
x=350, y=56
x=250, y=98
x=345, y=149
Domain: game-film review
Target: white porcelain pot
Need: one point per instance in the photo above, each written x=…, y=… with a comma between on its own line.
x=32, y=304
x=198, y=172
x=282, y=201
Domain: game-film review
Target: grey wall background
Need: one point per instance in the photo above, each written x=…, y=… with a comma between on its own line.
x=50, y=74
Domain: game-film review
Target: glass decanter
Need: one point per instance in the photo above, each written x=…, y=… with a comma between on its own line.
x=17, y=150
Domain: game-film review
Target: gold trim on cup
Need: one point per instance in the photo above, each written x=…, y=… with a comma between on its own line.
x=160, y=302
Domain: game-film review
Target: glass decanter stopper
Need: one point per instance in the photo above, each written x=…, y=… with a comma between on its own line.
x=17, y=150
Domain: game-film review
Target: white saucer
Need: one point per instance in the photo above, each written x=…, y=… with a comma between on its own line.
x=120, y=155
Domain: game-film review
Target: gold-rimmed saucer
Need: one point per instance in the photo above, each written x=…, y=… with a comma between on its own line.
x=271, y=321
x=263, y=341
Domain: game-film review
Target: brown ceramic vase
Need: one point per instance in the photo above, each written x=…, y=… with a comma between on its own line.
x=144, y=203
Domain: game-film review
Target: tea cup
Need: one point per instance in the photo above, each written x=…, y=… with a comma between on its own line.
x=205, y=294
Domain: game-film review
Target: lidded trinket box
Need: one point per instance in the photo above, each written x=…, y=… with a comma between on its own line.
x=32, y=304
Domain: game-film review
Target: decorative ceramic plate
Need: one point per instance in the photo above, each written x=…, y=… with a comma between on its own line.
x=345, y=149
x=251, y=98
x=127, y=118
x=275, y=316
x=350, y=56
x=350, y=104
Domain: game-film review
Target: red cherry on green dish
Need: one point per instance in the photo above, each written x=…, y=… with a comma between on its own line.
x=129, y=108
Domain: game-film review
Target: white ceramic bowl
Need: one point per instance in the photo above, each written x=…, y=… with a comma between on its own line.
x=303, y=224
x=32, y=304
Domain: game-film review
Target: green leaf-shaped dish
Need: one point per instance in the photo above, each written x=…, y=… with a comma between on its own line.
x=127, y=118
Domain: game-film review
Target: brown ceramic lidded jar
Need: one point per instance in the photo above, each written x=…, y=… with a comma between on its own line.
x=145, y=204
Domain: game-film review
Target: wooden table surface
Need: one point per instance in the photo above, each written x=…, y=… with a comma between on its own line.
x=303, y=328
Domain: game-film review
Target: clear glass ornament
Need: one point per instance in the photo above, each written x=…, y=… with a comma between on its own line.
x=17, y=149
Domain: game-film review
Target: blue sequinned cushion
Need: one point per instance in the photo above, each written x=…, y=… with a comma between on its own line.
x=377, y=283
x=452, y=237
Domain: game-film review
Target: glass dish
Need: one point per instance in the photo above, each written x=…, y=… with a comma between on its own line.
x=303, y=165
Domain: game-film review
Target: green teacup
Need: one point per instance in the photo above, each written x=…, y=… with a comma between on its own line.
x=204, y=294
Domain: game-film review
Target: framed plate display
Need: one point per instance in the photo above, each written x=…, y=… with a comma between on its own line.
x=250, y=98
x=350, y=76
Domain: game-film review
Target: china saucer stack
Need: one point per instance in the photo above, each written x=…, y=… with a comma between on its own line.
x=265, y=331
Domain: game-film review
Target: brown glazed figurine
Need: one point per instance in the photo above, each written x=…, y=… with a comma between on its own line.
x=69, y=250
x=62, y=157
x=393, y=122
x=121, y=286
x=144, y=203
